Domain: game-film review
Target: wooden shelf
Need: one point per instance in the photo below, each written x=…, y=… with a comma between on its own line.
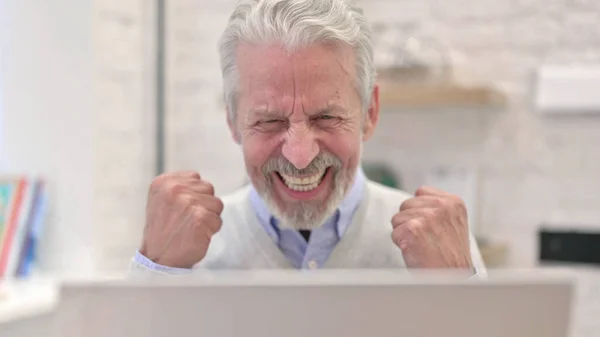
x=417, y=88
x=438, y=96
x=494, y=254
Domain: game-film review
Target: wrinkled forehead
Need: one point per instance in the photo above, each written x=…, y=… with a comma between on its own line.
x=312, y=76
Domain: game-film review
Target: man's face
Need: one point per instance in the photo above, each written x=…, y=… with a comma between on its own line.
x=301, y=124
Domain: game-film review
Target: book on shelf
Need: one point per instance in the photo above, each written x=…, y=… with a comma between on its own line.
x=22, y=206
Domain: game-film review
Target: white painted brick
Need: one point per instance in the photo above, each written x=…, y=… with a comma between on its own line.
x=473, y=10
x=391, y=12
x=590, y=5
x=581, y=29
x=525, y=32
x=119, y=8
x=554, y=7
x=587, y=54
x=502, y=41
x=124, y=150
x=521, y=239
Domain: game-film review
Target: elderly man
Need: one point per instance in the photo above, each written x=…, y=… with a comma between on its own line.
x=301, y=98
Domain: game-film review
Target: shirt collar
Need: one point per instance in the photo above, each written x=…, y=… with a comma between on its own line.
x=342, y=216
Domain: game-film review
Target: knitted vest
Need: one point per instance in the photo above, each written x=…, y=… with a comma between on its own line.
x=242, y=243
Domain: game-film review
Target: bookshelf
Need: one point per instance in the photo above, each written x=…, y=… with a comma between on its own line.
x=22, y=206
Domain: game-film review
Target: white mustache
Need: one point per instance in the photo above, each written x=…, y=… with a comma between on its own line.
x=319, y=164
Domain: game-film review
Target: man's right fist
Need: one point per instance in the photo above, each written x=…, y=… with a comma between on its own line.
x=182, y=214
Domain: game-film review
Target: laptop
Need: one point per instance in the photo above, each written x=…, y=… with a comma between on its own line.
x=339, y=303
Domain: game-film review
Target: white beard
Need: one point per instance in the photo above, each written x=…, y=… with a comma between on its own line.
x=309, y=215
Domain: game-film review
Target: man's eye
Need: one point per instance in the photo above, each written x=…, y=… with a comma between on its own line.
x=271, y=125
x=326, y=119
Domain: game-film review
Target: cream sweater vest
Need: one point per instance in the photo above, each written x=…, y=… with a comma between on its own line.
x=242, y=243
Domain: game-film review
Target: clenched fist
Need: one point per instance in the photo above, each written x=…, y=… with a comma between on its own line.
x=182, y=215
x=431, y=230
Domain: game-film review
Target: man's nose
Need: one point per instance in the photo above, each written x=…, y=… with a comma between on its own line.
x=300, y=146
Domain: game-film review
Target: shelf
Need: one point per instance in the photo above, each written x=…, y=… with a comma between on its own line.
x=438, y=96
x=416, y=88
x=26, y=300
x=494, y=254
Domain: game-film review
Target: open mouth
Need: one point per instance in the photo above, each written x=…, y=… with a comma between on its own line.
x=303, y=184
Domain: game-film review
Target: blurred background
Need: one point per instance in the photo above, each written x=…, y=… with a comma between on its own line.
x=494, y=100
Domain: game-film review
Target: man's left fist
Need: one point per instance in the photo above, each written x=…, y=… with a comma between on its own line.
x=432, y=231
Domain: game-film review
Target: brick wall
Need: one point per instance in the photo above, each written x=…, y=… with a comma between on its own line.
x=531, y=169
x=198, y=135
x=125, y=123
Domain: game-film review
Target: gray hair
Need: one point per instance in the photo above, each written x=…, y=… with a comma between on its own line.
x=297, y=24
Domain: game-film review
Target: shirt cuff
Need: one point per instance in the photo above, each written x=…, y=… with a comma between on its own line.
x=146, y=262
x=477, y=274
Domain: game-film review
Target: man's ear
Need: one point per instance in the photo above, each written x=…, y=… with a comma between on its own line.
x=233, y=127
x=372, y=116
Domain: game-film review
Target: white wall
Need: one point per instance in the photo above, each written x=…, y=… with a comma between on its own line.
x=78, y=111
x=125, y=126
x=48, y=130
x=198, y=137
x=533, y=170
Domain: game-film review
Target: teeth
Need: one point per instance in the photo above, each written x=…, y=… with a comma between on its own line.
x=302, y=184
